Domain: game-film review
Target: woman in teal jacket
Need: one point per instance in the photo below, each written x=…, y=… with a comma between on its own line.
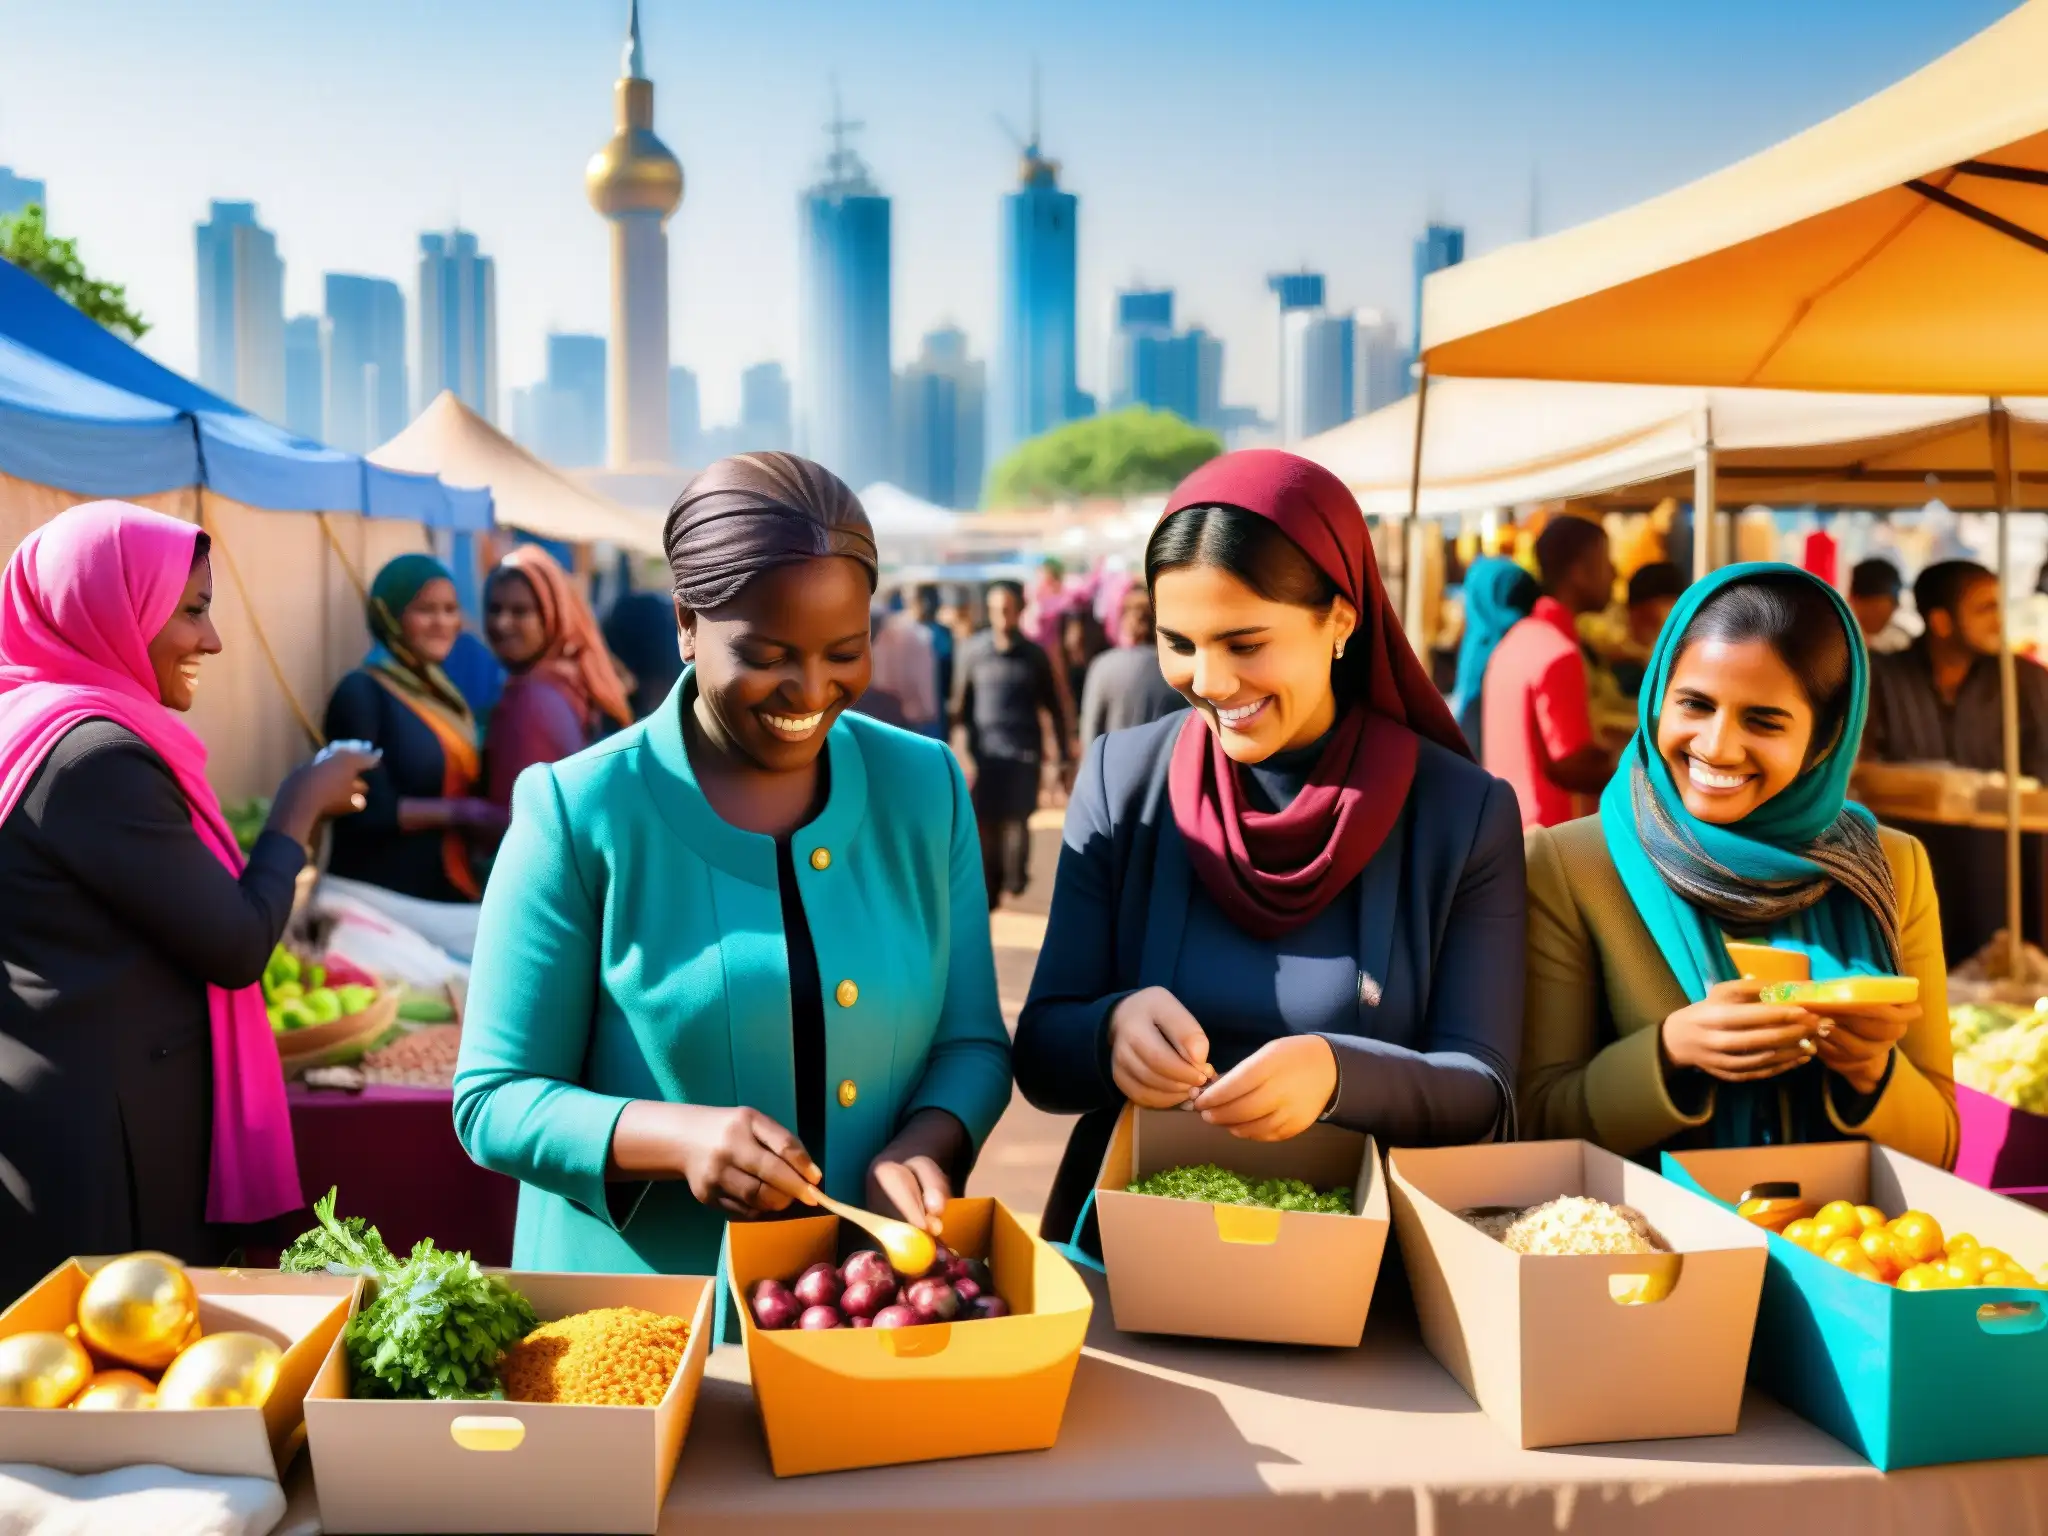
x=740, y=948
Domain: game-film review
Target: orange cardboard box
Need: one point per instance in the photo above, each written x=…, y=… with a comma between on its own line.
x=301, y=1313
x=1569, y=1350
x=511, y=1467
x=1181, y=1266
x=872, y=1397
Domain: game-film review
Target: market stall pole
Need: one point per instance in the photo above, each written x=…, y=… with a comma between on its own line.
x=1411, y=527
x=1706, y=504
x=1888, y=250
x=2008, y=683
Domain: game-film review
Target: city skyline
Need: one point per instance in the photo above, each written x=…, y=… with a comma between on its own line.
x=1332, y=145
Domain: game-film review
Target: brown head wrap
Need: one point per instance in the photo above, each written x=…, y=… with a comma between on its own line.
x=753, y=512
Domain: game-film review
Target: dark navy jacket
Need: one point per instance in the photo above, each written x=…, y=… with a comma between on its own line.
x=1427, y=1053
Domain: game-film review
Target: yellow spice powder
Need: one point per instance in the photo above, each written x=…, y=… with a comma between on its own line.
x=614, y=1356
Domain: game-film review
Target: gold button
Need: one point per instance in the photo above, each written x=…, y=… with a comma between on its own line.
x=847, y=993
x=847, y=1094
x=821, y=858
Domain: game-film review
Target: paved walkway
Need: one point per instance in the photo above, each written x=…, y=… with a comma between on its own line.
x=1018, y=1163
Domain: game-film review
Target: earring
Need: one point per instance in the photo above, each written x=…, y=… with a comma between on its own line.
x=1340, y=650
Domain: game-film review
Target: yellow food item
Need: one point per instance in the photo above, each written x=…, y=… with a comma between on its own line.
x=1960, y=1271
x=1847, y=1253
x=1923, y=1277
x=2005, y=1277
x=1835, y=1221
x=1863, y=990
x=222, y=1370
x=1882, y=1249
x=1803, y=1232
x=622, y=1356
x=139, y=1309
x=1919, y=1236
x=1772, y=1213
x=1871, y=1217
x=113, y=1391
x=42, y=1370
x=1962, y=1242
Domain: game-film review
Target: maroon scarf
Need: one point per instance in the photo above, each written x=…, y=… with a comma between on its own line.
x=1272, y=872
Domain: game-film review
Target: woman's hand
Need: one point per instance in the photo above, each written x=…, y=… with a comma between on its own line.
x=330, y=785
x=1730, y=1035
x=736, y=1159
x=909, y=1176
x=1158, y=1055
x=1859, y=1046
x=1278, y=1091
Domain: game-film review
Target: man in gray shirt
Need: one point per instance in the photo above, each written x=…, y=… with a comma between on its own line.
x=1125, y=686
x=1004, y=691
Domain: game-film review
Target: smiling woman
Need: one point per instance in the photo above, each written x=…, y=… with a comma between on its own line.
x=678, y=911
x=1728, y=821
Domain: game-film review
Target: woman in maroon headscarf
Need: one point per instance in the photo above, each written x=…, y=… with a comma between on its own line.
x=1299, y=901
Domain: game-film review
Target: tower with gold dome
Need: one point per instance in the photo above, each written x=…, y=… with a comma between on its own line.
x=635, y=184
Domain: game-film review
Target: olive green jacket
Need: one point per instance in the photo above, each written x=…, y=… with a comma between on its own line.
x=1598, y=991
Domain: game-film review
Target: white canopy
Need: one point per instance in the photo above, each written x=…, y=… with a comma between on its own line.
x=895, y=513
x=450, y=440
x=1500, y=442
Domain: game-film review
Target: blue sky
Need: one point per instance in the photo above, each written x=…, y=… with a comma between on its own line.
x=1210, y=142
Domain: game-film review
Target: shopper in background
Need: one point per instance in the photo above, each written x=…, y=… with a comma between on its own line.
x=1498, y=595
x=1299, y=902
x=932, y=615
x=1125, y=686
x=426, y=801
x=640, y=631
x=906, y=672
x=1082, y=640
x=1728, y=819
x=1536, y=722
x=1006, y=697
x=1874, y=589
x=1653, y=591
x=563, y=689
x=477, y=675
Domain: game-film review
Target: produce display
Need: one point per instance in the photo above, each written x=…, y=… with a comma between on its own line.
x=615, y=1356
x=2002, y=1049
x=1219, y=1186
x=137, y=1316
x=865, y=1292
x=1983, y=977
x=298, y=994
x=436, y=1324
x=420, y=1058
x=1570, y=1224
x=1907, y=1251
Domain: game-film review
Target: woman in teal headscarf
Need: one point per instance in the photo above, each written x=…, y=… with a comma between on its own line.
x=1728, y=820
x=413, y=836
x=1498, y=596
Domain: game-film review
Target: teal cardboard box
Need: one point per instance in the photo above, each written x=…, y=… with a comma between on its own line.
x=1908, y=1378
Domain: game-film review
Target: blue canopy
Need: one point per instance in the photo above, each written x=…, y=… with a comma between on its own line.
x=83, y=410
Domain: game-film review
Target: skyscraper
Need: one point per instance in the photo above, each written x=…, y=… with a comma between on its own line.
x=843, y=378
x=941, y=422
x=765, y=409
x=576, y=386
x=636, y=184
x=458, y=322
x=305, y=376
x=1317, y=378
x=1381, y=368
x=1034, y=388
x=1439, y=246
x=366, y=369
x=241, y=310
x=1292, y=292
x=17, y=192
x=1155, y=365
x=685, y=416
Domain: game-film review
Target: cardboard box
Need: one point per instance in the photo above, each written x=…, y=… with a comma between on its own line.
x=1180, y=1266
x=1572, y=1349
x=301, y=1313
x=873, y=1397
x=1908, y=1378
x=507, y=1467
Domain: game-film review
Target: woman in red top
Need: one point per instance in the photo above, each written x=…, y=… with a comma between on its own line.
x=563, y=688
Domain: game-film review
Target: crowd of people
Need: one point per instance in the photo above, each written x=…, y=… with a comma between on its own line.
x=734, y=938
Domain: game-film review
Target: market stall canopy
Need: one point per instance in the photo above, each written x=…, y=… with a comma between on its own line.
x=1901, y=246
x=896, y=514
x=450, y=440
x=83, y=411
x=1504, y=442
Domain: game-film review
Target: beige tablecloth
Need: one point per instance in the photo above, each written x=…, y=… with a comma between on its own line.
x=1184, y=1436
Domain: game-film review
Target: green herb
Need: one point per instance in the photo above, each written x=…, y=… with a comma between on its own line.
x=435, y=1325
x=1219, y=1186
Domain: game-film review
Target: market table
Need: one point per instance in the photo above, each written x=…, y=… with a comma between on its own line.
x=393, y=1155
x=1189, y=1436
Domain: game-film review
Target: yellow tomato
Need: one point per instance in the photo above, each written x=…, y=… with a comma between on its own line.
x=1800, y=1232
x=1847, y=1253
x=1882, y=1249
x=1923, y=1277
x=1919, y=1236
x=1962, y=1242
x=2005, y=1277
x=2041, y=1275
x=1993, y=1258
x=1871, y=1217
x=1960, y=1271
x=1836, y=1220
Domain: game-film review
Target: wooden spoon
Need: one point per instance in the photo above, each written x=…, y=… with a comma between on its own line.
x=910, y=1252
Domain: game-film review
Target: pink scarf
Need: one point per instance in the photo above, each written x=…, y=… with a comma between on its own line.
x=79, y=604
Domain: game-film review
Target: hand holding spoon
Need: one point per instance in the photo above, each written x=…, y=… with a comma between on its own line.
x=909, y=1251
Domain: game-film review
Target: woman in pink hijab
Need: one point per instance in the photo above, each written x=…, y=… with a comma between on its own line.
x=141, y=1105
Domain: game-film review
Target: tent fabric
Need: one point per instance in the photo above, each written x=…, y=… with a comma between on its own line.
x=895, y=511
x=1813, y=265
x=452, y=441
x=1504, y=442
x=83, y=410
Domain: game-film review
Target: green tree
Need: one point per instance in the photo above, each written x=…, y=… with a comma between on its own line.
x=1125, y=453
x=25, y=240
